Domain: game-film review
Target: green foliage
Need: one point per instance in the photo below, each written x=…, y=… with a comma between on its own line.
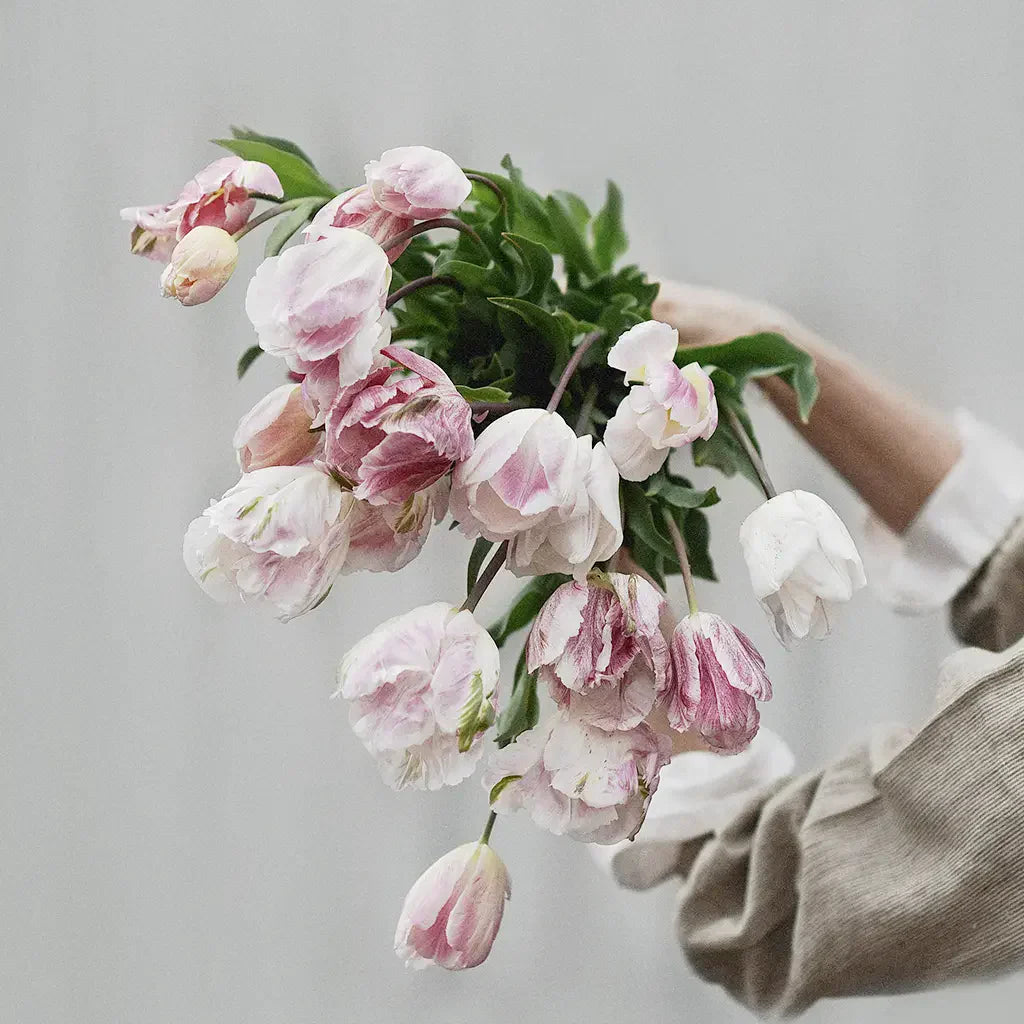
x=525, y=607
x=476, y=559
x=288, y=223
x=296, y=172
x=522, y=710
x=247, y=358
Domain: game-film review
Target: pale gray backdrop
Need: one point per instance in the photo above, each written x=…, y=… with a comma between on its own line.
x=191, y=832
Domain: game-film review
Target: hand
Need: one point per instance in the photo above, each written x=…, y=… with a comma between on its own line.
x=708, y=316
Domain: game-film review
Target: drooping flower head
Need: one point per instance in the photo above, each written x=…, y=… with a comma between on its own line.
x=393, y=435
x=322, y=299
x=598, y=647
x=668, y=406
x=276, y=431
x=717, y=676
x=454, y=910
x=200, y=265
x=802, y=560
x=577, y=780
x=357, y=209
x=552, y=495
x=422, y=688
x=417, y=182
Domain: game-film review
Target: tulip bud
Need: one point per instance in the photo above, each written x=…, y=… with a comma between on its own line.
x=801, y=560
x=417, y=182
x=275, y=431
x=201, y=264
x=357, y=209
x=454, y=910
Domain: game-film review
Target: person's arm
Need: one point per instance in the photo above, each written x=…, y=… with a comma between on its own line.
x=891, y=449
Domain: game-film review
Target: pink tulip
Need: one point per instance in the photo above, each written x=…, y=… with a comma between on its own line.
x=454, y=910
x=393, y=436
x=717, y=675
x=155, y=232
x=323, y=299
x=417, y=182
x=276, y=431
x=552, y=495
x=414, y=683
x=357, y=209
x=599, y=648
x=580, y=781
x=200, y=265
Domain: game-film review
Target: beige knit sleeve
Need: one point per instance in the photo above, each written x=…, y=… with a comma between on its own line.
x=881, y=874
x=989, y=611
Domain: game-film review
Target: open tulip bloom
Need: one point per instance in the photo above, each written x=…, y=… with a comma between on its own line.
x=452, y=344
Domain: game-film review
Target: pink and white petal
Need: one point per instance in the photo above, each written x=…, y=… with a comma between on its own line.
x=641, y=347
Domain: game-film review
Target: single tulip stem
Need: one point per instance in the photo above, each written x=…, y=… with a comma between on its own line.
x=429, y=225
x=421, y=282
x=275, y=211
x=488, y=828
x=684, y=561
x=570, y=368
x=751, y=451
x=484, y=579
x=492, y=185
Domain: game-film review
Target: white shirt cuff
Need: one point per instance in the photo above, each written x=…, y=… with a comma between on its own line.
x=698, y=794
x=958, y=527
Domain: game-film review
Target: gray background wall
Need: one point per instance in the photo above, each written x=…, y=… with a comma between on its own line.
x=191, y=832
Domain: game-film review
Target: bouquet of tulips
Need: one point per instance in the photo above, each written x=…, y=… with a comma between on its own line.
x=456, y=344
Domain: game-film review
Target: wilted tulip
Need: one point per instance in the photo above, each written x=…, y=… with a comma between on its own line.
x=276, y=431
x=717, y=675
x=357, y=209
x=200, y=265
x=552, y=495
x=422, y=690
x=454, y=910
x=322, y=299
x=668, y=407
x=599, y=648
x=802, y=560
x=394, y=435
x=417, y=182
x=577, y=780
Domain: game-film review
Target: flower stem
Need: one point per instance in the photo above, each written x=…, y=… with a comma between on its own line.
x=570, y=368
x=493, y=186
x=274, y=211
x=684, y=561
x=421, y=282
x=429, y=225
x=485, y=578
x=488, y=828
x=751, y=451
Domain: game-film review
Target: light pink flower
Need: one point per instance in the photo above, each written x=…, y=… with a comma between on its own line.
x=599, y=648
x=393, y=435
x=415, y=683
x=717, y=675
x=668, y=407
x=385, y=538
x=454, y=910
x=357, y=209
x=802, y=561
x=323, y=299
x=276, y=431
x=578, y=780
x=417, y=182
x=220, y=196
x=532, y=482
x=200, y=265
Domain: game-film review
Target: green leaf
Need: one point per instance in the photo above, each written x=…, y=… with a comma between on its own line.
x=639, y=510
x=535, y=267
x=568, y=234
x=298, y=176
x=485, y=394
x=762, y=355
x=287, y=224
x=610, y=240
x=697, y=536
x=271, y=140
x=522, y=711
x=557, y=329
x=723, y=450
x=525, y=607
x=476, y=560
x=527, y=215
x=680, y=495
x=486, y=280
x=500, y=786
x=247, y=358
